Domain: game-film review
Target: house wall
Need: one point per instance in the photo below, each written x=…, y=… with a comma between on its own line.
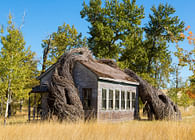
x=84, y=78
x=44, y=105
x=120, y=114
x=45, y=80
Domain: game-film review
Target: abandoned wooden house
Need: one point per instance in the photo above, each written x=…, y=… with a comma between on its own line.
x=107, y=93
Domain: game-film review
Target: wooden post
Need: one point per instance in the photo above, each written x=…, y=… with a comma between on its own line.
x=136, y=111
x=37, y=109
x=21, y=102
x=34, y=107
x=29, y=109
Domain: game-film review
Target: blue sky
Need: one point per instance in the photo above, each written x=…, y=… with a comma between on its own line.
x=44, y=16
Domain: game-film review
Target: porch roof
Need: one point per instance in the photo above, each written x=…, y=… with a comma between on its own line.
x=39, y=89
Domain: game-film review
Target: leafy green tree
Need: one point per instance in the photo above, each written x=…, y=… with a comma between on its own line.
x=180, y=97
x=173, y=94
x=111, y=25
x=184, y=100
x=64, y=39
x=133, y=55
x=162, y=28
x=186, y=57
x=178, y=91
x=115, y=33
x=18, y=67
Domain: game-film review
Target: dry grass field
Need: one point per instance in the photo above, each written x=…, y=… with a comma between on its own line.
x=16, y=129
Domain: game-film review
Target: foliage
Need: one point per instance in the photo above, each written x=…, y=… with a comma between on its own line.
x=184, y=100
x=179, y=90
x=115, y=33
x=172, y=93
x=160, y=30
x=17, y=65
x=64, y=39
x=134, y=55
x=187, y=57
x=112, y=25
x=180, y=97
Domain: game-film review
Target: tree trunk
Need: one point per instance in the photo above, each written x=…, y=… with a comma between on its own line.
x=6, y=110
x=64, y=101
x=2, y=105
x=45, y=54
x=9, y=110
x=63, y=98
x=157, y=104
x=151, y=56
x=21, y=103
x=8, y=101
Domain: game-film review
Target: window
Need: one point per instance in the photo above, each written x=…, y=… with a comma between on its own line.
x=87, y=92
x=110, y=104
x=116, y=99
x=103, y=98
x=122, y=100
x=128, y=100
x=133, y=99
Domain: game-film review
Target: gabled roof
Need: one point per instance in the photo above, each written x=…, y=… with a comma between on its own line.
x=102, y=70
x=105, y=71
x=47, y=71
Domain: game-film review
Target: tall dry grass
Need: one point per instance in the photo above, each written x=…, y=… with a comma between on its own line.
x=18, y=129
x=132, y=130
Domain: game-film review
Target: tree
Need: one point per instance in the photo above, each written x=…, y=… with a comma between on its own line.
x=17, y=66
x=64, y=39
x=176, y=84
x=161, y=29
x=186, y=57
x=134, y=55
x=111, y=25
x=185, y=100
x=156, y=103
x=180, y=97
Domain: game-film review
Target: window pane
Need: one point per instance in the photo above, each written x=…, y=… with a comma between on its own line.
x=122, y=100
x=116, y=99
x=85, y=104
x=128, y=100
x=110, y=99
x=103, y=93
x=103, y=98
x=86, y=93
x=133, y=99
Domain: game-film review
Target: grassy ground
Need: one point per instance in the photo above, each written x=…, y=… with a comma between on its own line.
x=139, y=130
